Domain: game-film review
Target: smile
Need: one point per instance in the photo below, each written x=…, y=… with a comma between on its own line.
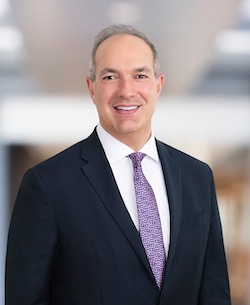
x=126, y=108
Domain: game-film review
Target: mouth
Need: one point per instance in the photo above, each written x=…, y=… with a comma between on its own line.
x=126, y=108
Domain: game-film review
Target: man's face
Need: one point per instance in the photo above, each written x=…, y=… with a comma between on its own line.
x=125, y=90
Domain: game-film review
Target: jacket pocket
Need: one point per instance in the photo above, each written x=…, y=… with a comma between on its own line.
x=195, y=221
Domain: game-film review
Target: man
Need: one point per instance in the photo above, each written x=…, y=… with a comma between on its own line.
x=77, y=235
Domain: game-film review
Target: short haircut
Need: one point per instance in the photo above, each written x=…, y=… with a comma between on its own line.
x=120, y=29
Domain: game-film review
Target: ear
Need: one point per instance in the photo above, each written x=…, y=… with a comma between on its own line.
x=90, y=86
x=160, y=84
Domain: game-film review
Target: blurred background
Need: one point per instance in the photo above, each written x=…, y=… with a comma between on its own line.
x=204, y=50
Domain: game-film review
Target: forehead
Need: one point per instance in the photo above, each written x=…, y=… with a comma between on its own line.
x=123, y=48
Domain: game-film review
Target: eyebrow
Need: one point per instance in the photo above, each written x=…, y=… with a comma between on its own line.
x=112, y=70
x=108, y=70
x=142, y=69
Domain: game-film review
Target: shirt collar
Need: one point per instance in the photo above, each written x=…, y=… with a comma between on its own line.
x=116, y=150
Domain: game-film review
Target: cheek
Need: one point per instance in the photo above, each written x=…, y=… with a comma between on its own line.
x=104, y=94
x=150, y=93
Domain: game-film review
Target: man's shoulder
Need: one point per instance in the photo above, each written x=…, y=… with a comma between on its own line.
x=64, y=158
x=70, y=155
x=183, y=159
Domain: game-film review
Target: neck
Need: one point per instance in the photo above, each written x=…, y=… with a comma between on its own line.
x=134, y=141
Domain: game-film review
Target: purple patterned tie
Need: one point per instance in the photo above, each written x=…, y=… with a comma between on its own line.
x=149, y=219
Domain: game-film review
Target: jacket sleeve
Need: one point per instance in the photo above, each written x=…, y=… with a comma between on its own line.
x=214, y=288
x=32, y=245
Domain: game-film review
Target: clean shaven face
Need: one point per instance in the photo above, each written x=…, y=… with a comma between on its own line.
x=126, y=89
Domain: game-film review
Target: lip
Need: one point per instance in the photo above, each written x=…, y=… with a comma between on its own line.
x=127, y=108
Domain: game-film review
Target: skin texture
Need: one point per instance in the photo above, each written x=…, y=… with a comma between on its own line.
x=126, y=90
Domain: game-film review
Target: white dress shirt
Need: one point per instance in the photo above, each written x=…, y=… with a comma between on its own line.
x=121, y=165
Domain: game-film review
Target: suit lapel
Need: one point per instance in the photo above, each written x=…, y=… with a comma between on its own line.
x=172, y=176
x=99, y=173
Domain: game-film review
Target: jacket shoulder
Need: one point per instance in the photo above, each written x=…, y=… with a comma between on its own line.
x=64, y=157
x=71, y=156
x=184, y=160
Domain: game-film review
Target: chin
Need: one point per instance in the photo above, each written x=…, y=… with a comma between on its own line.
x=127, y=130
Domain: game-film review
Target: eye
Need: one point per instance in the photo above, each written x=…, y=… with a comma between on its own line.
x=109, y=77
x=141, y=76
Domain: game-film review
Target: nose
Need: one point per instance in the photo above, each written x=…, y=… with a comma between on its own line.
x=127, y=89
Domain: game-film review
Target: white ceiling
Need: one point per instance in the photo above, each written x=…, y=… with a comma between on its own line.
x=57, y=39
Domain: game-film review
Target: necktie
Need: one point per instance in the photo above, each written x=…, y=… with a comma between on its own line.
x=149, y=219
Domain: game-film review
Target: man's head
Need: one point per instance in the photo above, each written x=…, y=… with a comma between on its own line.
x=125, y=84
x=120, y=29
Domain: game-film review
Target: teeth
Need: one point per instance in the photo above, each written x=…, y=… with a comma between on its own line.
x=128, y=108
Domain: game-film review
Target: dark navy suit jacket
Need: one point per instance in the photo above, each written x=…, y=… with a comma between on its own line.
x=72, y=241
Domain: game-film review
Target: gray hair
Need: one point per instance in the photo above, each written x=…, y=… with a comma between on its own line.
x=120, y=29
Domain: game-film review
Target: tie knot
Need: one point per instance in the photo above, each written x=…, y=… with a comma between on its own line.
x=136, y=158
